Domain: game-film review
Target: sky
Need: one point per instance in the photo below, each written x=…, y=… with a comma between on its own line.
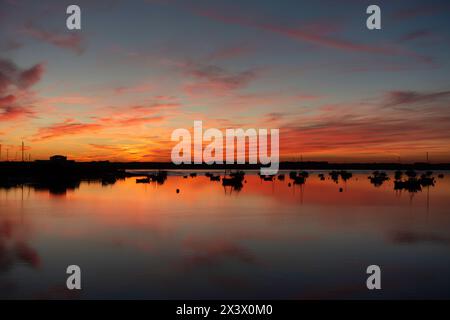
x=116, y=89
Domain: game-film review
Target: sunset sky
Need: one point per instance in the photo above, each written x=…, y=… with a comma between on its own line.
x=140, y=69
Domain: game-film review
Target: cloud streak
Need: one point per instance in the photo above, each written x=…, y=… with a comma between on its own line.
x=69, y=41
x=67, y=127
x=315, y=36
x=215, y=79
x=400, y=98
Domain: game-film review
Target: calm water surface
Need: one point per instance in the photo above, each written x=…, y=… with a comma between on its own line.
x=267, y=241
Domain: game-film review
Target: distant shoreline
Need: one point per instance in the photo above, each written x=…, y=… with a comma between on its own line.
x=287, y=165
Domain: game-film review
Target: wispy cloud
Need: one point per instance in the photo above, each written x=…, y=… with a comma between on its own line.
x=12, y=76
x=417, y=34
x=67, y=127
x=116, y=117
x=413, y=238
x=231, y=52
x=400, y=98
x=11, y=45
x=70, y=41
x=316, y=35
x=139, y=88
x=215, y=79
x=423, y=10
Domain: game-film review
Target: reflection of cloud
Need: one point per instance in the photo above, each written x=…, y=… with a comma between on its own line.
x=27, y=254
x=410, y=237
x=57, y=292
x=13, y=249
x=210, y=253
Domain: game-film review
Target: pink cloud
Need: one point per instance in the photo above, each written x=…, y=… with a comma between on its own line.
x=6, y=101
x=14, y=112
x=131, y=121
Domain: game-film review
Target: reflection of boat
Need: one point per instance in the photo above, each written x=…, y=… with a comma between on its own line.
x=292, y=175
x=108, y=180
x=334, y=176
x=229, y=181
x=235, y=180
x=398, y=175
x=299, y=178
x=414, y=184
x=345, y=175
x=378, y=178
x=159, y=177
x=214, y=178
x=411, y=173
x=143, y=180
x=281, y=177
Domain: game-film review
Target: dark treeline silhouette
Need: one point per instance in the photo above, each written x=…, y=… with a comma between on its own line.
x=57, y=175
x=311, y=165
x=99, y=168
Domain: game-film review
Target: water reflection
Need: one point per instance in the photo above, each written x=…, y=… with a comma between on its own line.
x=297, y=235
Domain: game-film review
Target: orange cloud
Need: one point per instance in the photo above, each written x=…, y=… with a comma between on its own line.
x=68, y=127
